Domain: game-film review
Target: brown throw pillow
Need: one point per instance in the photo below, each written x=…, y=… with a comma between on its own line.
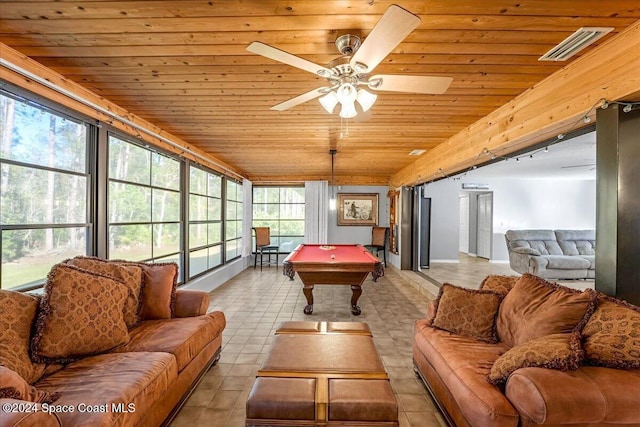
x=17, y=317
x=129, y=275
x=467, y=312
x=499, y=284
x=81, y=314
x=557, y=351
x=159, y=291
x=535, y=308
x=611, y=337
x=13, y=386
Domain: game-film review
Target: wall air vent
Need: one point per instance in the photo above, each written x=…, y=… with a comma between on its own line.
x=575, y=43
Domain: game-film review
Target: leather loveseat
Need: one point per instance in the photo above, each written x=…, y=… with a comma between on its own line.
x=553, y=254
x=166, y=347
x=549, y=356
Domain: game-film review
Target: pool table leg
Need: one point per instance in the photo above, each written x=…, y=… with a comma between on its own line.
x=308, y=293
x=356, y=291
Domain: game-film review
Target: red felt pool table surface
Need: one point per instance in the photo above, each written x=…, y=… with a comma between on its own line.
x=322, y=254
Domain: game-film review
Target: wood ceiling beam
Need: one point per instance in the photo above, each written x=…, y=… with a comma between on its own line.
x=553, y=106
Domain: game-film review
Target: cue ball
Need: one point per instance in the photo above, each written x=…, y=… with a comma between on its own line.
x=333, y=257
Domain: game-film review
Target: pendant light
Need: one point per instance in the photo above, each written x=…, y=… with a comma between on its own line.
x=332, y=199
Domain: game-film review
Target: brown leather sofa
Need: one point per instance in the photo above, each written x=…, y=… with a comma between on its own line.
x=593, y=392
x=142, y=382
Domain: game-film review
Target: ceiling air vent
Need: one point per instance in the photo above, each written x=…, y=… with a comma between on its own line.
x=575, y=43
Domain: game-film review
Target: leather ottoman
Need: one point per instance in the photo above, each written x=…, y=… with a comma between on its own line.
x=322, y=374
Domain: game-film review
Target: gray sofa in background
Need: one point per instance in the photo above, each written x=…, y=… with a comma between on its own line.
x=553, y=254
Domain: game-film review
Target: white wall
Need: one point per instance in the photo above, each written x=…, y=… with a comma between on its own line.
x=540, y=203
x=445, y=210
x=352, y=233
x=517, y=204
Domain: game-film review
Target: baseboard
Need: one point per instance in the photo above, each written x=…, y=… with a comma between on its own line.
x=445, y=261
x=499, y=261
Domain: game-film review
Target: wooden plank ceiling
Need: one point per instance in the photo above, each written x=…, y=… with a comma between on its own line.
x=183, y=65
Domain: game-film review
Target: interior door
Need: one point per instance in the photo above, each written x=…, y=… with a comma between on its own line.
x=464, y=224
x=485, y=224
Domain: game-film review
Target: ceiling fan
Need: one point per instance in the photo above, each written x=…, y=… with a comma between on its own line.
x=349, y=74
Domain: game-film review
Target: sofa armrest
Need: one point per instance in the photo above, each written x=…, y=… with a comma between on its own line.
x=549, y=396
x=526, y=251
x=190, y=303
x=519, y=262
x=23, y=413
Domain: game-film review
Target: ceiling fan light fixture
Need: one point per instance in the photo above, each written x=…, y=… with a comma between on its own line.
x=329, y=101
x=366, y=99
x=346, y=93
x=348, y=110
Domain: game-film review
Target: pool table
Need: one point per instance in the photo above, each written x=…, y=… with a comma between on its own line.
x=332, y=265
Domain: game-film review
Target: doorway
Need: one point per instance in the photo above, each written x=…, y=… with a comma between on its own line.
x=476, y=223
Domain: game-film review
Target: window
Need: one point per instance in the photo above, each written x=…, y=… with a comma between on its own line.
x=44, y=190
x=144, y=204
x=281, y=209
x=55, y=178
x=233, y=220
x=205, y=221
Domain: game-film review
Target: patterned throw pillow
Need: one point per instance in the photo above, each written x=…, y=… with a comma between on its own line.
x=535, y=308
x=81, y=314
x=17, y=316
x=129, y=275
x=13, y=386
x=611, y=337
x=159, y=290
x=499, y=284
x=557, y=351
x=467, y=312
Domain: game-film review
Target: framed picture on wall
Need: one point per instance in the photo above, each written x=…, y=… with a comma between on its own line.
x=357, y=209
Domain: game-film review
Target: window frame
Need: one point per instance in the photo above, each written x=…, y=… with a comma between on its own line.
x=36, y=101
x=179, y=254
x=257, y=223
x=221, y=222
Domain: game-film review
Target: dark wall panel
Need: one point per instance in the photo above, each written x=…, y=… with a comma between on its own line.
x=618, y=203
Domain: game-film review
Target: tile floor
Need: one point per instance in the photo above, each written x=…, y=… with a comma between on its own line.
x=256, y=302
x=470, y=271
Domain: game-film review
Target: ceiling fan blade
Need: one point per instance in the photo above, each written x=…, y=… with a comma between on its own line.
x=288, y=58
x=394, y=26
x=299, y=99
x=412, y=84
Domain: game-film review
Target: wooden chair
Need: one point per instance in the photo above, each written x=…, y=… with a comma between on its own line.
x=379, y=238
x=264, y=246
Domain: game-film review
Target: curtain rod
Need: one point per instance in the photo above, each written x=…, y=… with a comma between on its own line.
x=105, y=111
